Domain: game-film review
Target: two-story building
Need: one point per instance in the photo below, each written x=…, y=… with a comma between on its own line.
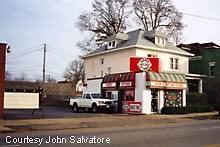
x=141, y=70
x=207, y=62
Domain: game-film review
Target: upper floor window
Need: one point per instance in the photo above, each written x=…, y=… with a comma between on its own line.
x=212, y=69
x=112, y=44
x=102, y=60
x=151, y=55
x=174, y=63
x=109, y=70
x=160, y=41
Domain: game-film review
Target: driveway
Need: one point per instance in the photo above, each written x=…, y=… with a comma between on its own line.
x=48, y=112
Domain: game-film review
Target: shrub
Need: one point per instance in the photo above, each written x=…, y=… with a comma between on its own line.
x=196, y=98
x=174, y=110
x=188, y=109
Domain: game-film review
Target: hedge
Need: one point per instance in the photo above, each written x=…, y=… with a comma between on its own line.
x=187, y=109
x=196, y=98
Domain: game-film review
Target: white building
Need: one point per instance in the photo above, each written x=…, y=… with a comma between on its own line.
x=114, y=58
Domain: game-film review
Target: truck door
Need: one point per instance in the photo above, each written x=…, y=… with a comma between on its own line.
x=88, y=100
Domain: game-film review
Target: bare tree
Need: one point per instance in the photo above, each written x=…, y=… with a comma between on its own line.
x=75, y=72
x=159, y=15
x=50, y=79
x=108, y=17
x=23, y=77
x=8, y=75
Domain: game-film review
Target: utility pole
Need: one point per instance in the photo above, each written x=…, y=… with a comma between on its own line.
x=44, y=62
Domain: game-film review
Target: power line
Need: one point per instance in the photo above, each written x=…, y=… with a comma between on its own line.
x=60, y=51
x=27, y=53
x=199, y=16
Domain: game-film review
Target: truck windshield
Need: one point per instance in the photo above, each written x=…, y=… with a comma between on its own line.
x=96, y=95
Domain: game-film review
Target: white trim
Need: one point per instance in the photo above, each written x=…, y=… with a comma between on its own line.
x=138, y=46
x=195, y=58
x=194, y=76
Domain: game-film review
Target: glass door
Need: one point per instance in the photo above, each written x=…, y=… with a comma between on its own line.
x=154, y=100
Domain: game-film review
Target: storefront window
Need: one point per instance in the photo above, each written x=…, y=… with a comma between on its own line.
x=173, y=98
x=129, y=95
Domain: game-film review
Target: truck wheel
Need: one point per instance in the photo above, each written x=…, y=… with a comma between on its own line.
x=94, y=108
x=75, y=108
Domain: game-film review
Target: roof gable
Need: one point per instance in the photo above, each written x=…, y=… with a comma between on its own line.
x=138, y=38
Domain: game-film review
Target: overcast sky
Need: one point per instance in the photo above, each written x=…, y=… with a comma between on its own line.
x=27, y=24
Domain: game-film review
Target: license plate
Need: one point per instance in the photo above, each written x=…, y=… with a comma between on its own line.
x=107, y=106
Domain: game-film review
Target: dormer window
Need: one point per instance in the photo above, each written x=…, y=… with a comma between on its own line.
x=160, y=41
x=112, y=44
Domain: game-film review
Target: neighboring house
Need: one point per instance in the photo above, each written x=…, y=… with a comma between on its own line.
x=206, y=62
x=113, y=62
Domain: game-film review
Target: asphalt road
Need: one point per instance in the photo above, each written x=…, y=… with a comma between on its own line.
x=205, y=133
x=48, y=111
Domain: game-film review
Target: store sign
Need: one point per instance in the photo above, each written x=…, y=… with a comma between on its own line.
x=125, y=84
x=111, y=84
x=131, y=107
x=144, y=64
x=166, y=84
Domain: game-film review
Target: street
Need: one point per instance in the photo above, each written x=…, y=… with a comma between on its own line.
x=204, y=133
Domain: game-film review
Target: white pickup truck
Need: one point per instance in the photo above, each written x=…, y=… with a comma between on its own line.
x=93, y=102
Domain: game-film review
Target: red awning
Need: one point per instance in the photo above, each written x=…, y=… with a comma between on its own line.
x=129, y=76
x=111, y=78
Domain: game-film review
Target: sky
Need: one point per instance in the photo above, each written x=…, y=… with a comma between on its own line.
x=27, y=25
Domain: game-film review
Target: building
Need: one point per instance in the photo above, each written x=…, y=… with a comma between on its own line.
x=2, y=77
x=117, y=62
x=206, y=62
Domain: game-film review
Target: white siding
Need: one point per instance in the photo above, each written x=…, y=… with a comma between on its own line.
x=93, y=86
x=118, y=61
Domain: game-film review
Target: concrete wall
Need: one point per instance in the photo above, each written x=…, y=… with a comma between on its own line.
x=2, y=77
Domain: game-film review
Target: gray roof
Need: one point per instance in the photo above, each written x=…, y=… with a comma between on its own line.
x=137, y=38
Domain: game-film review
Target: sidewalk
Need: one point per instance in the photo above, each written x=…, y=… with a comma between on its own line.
x=100, y=121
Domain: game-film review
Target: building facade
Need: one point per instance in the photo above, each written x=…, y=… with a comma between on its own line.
x=147, y=87
x=206, y=62
x=116, y=58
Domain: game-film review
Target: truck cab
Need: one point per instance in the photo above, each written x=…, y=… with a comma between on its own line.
x=93, y=102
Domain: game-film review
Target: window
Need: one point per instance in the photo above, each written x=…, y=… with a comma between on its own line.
x=151, y=55
x=102, y=60
x=102, y=74
x=174, y=63
x=129, y=95
x=212, y=69
x=112, y=44
x=109, y=70
x=88, y=96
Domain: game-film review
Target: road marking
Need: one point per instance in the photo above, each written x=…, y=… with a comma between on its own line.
x=204, y=128
x=10, y=145
x=218, y=127
x=213, y=145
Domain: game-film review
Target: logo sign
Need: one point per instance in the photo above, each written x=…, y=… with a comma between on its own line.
x=112, y=84
x=144, y=64
x=131, y=107
x=125, y=107
x=124, y=84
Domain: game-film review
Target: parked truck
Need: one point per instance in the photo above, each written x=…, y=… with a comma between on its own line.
x=93, y=102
